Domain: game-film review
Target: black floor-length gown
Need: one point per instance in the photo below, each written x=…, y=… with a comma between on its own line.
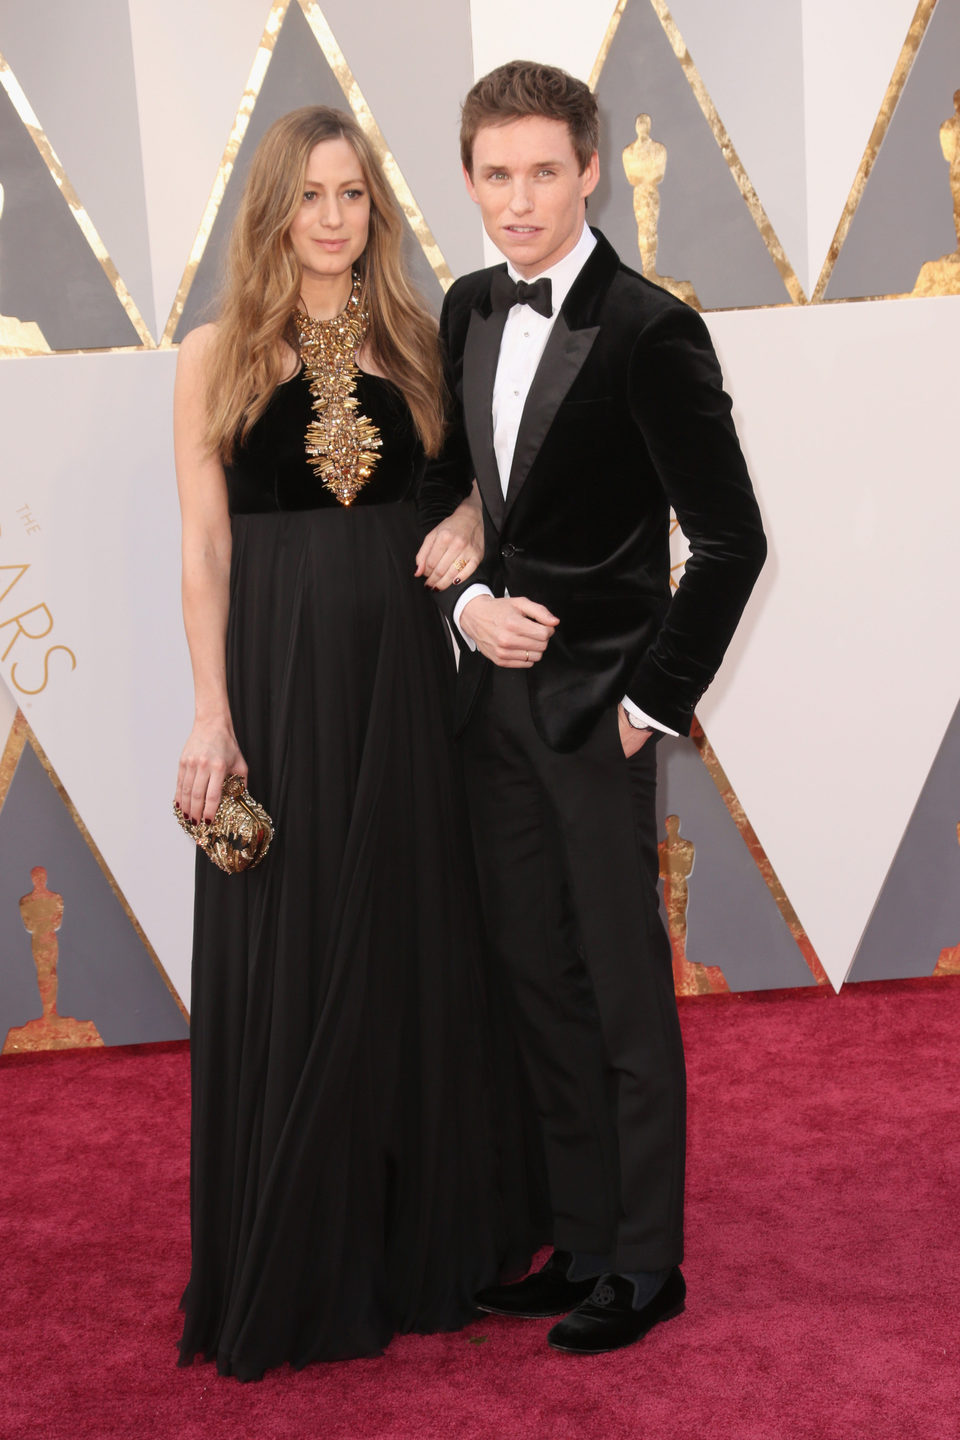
x=352, y=1176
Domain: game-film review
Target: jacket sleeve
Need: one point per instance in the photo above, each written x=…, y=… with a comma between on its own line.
x=448, y=478
x=679, y=405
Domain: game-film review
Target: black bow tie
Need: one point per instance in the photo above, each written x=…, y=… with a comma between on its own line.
x=505, y=292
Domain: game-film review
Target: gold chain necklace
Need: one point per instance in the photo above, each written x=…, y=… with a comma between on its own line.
x=340, y=442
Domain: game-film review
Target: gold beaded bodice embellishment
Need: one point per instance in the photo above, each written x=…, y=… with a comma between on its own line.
x=341, y=443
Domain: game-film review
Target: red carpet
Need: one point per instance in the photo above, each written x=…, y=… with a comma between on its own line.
x=824, y=1200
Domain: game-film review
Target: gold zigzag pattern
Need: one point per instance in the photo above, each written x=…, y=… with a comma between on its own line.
x=335, y=57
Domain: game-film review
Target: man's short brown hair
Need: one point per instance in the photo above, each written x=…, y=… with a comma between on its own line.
x=521, y=88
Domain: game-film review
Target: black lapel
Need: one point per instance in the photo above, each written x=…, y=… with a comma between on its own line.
x=481, y=352
x=568, y=346
x=560, y=364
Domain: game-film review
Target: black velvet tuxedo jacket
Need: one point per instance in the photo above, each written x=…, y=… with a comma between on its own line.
x=626, y=416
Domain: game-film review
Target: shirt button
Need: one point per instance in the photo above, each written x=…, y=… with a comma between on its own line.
x=526, y=334
x=516, y=392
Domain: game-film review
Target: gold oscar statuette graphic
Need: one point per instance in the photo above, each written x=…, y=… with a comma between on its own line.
x=942, y=277
x=676, y=866
x=949, y=962
x=645, y=164
x=20, y=337
x=42, y=914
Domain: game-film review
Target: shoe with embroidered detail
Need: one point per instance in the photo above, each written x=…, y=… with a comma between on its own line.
x=544, y=1293
x=607, y=1320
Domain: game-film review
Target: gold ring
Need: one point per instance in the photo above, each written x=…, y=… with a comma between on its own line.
x=526, y=656
x=461, y=564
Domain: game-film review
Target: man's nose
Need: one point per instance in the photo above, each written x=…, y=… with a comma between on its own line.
x=521, y=201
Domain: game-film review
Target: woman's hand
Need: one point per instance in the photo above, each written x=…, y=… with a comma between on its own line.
x=454, y=549
x=210, y=754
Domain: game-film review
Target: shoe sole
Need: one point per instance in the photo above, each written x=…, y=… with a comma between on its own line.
x=523, y=1314
x=609, y=1349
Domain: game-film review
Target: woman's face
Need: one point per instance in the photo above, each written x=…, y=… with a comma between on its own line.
x=330, y=229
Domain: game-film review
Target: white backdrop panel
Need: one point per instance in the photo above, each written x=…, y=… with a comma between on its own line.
x=88, y=447
x=838, y=687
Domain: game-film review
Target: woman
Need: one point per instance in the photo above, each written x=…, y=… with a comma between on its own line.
x=343, y=1185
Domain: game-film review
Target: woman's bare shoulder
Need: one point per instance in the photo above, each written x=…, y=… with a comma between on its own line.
x=197, y=344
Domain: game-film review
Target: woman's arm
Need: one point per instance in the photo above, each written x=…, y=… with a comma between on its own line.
x=211, y=752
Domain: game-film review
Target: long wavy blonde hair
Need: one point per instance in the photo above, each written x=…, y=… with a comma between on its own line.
x=263, y=285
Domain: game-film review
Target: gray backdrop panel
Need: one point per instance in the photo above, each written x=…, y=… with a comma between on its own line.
x=905, y=216
x=732, y=919
x=706, y=233
x=105, y=974
x=75, y=63
x=48, y=273
x=917, y=913
x=298, y=74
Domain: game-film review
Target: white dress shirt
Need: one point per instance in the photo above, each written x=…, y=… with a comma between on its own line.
x=524, y=339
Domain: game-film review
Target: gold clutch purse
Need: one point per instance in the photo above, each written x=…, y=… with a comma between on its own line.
x=238, y=836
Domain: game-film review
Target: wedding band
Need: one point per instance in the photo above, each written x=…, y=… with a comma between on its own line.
x=526, y=656
x=461, y=564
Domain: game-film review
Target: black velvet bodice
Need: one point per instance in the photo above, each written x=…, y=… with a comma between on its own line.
x=271, y=470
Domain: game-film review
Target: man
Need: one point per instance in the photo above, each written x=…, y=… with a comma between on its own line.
x=587, y=402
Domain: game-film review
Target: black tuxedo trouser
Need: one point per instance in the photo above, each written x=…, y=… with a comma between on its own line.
x=566, y=847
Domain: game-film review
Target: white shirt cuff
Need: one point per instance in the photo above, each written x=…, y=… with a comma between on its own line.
x=471, y=593
x=640, y=720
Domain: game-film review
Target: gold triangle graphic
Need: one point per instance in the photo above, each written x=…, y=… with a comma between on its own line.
x=901, y=72
x=338, y=64
x=751, y=199
x=20, y=736
x=760, y=858
x=59, y=175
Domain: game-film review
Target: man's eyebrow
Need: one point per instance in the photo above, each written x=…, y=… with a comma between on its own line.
x=535, y=165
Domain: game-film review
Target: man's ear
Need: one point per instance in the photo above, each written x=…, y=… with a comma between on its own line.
x=471, y=188
x=590, y=175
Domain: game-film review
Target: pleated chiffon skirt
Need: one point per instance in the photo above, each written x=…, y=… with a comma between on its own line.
x=360, y=1158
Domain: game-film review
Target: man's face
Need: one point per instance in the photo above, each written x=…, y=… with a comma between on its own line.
x=530, y=189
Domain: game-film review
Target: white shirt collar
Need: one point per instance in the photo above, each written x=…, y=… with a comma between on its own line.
x=563, y=274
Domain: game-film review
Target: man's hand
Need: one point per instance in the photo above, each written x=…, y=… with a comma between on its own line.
x=512, y=632
x=631, y=738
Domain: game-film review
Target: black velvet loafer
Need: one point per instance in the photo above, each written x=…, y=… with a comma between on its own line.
x=607, y=1320
x=546, y=1292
